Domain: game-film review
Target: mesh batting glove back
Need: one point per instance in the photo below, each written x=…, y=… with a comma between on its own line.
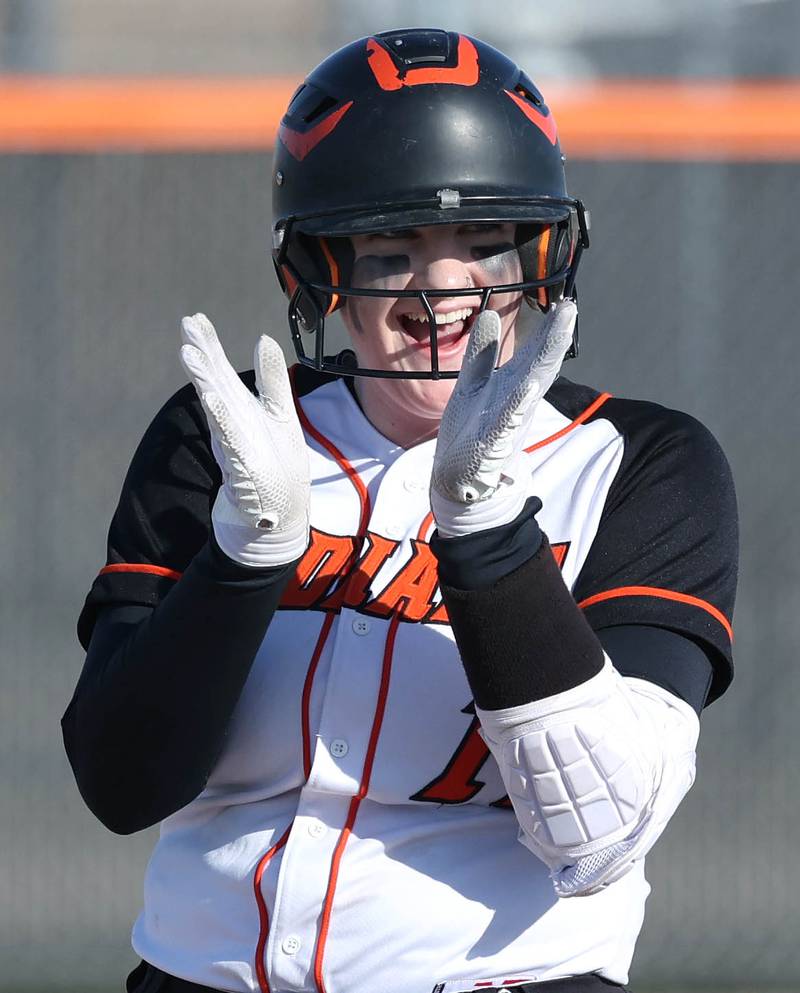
x=477, y=480
x=260, y=515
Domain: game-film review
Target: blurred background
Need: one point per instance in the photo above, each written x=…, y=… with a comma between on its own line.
x=135, y=157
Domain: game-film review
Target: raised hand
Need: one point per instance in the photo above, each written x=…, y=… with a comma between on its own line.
x=260, y=516
x=477, y=465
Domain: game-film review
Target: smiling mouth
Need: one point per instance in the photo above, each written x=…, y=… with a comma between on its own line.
x=450, y=327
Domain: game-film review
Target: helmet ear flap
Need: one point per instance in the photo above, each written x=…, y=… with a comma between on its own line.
x=544, y=250
x=312, y=262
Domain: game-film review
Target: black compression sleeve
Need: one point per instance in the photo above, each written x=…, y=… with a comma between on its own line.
x=509, y=607
x=521, y=635
x=670, y=660
x=150, y=712
x=477, y=561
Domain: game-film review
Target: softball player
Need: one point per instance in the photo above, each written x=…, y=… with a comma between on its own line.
x=405, y=649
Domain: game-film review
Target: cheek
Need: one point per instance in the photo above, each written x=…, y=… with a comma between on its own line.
x=381, y=272
x=502, y=267
x=375, y=272
x=366, y=314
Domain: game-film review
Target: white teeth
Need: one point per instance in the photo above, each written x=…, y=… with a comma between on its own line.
x=451, y=318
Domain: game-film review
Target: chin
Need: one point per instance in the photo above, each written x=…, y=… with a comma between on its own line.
x=408, y=411
x=425, y=398
x=431, y=395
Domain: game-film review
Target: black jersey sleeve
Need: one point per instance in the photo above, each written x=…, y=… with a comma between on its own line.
x=163, y=517
x=150, y=713
x=666, y=551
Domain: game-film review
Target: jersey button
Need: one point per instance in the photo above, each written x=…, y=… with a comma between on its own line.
x=291, y=944
x=361, y=626
x=339, y=748
x=317, y=829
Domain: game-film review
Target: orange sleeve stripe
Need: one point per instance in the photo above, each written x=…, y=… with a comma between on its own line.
x=595, y=405
x=155, y=570
x=654, y=591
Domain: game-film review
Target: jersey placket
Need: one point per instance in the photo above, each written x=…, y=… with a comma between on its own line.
x=328, y=806
x=342, y=748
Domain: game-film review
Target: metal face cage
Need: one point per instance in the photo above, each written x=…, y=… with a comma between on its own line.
x=307, y=317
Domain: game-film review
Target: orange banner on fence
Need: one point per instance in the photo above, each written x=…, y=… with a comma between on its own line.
x=606, y=119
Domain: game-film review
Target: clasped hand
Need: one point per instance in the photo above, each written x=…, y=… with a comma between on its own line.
x=478, y=478
x=260, y=515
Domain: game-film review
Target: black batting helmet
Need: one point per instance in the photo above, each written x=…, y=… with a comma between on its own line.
x=410, y=128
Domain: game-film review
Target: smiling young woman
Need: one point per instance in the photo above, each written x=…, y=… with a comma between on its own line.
x=406, y=650
x=395, y=333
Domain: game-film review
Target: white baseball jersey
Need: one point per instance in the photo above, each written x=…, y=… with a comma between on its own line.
x=355, y=835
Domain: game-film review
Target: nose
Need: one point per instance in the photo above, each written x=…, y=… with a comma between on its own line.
x=437, y=263
x=442, y=274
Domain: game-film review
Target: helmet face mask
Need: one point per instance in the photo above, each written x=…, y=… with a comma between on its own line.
x=450, y=133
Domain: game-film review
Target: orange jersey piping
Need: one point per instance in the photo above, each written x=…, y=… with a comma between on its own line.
x=155, y=570
x=654, y=591
x=584, y=416
x=307, y=685
x=263, y=913
x=377, y=722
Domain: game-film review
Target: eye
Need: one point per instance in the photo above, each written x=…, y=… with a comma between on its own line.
x=398, y=235
x=481, y=252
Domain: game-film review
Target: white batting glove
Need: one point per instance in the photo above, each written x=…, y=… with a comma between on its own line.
x=478, y=480
x=260, y=515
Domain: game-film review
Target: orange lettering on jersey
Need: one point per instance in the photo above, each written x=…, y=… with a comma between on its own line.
x=326, y=557
x=457, y=783
x=354, y=591
x=438, y=615
x=560, y=550
x=410, y=593
x=355, y=562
